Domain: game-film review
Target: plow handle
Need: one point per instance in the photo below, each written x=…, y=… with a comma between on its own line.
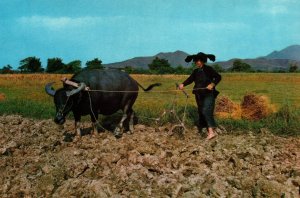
x=182, y=90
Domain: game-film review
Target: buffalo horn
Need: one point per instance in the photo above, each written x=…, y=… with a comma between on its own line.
x=49, y=90
x=75, y=91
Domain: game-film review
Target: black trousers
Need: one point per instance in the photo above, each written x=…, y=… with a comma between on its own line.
x=206, y=106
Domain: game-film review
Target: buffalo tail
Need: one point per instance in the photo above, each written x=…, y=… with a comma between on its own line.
x=149, y=87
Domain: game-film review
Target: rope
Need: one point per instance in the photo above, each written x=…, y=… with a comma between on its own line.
x=62, y=109
x=98, y=123
x=158, y=91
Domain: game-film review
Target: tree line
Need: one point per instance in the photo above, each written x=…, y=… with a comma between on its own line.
x=54, y=65
x=157, y=66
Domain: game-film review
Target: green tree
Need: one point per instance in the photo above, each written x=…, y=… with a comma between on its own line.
x=72, y=67
x=94, y=64
x=180, y=70
x=293, y=67
x=30, y=65
x=129, y=69
x=7, y=70
x=55, y=65
x=218, y=68
x=239, y=66
x=160, y=66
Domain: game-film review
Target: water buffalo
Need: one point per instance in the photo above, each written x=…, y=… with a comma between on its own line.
x=120, y=92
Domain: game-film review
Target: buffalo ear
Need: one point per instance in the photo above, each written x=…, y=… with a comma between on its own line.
x=49, y=89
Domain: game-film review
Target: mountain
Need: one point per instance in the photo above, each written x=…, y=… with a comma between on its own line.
x=263, y=64
x=292, y=52
x=277, y=60
x=174, y=58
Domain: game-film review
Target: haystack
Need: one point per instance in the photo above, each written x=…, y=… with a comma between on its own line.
x=226, y=108
x=256, y=107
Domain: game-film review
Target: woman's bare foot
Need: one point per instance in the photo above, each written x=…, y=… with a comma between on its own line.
x=211, y=134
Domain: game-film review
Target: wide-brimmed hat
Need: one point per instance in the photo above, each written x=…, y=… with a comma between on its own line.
x=200, y=56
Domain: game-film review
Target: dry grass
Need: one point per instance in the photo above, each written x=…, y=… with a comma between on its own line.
x=252, y=107
x=226, y=108
x=256, y=107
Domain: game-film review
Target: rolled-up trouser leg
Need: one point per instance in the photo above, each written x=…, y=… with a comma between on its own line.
x=202, y=121
x=208, y=109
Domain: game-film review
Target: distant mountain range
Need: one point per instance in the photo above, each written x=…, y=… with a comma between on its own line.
x=174, y=58
x=277, y=60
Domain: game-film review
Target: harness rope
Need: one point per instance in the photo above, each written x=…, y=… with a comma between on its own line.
x=158, y=91
x=62, y=109
x=98, y=123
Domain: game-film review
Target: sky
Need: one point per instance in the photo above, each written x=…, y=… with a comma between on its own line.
x=117, y=30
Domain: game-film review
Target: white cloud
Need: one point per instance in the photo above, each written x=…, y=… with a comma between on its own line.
x=56, y=23
x=275, y=7
x=213, y=26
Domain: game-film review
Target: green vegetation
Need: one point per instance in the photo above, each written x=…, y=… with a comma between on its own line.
x=94, y=64
x=157, y=66
x=30, y=65
x=24, y=94
x=293, y=67
x=239, y=66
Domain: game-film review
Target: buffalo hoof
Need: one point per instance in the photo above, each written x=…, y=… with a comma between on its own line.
x=79, y=132
x=118, y=133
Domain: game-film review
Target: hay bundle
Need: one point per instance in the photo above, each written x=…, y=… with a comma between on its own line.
x=255, y=107
x=2, y=97
x=226, y=108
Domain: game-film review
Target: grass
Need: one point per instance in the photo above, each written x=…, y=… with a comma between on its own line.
x=25, y=95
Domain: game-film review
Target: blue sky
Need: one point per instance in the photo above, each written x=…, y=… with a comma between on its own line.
x=116, y=30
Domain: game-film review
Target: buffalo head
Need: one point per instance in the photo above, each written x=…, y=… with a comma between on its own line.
x=63, y=100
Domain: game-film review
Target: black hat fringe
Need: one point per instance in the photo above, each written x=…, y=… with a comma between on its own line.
x=200, y=56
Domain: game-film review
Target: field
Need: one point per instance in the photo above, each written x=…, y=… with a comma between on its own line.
x=248, y=158
x=29, y=89
x=25, y=95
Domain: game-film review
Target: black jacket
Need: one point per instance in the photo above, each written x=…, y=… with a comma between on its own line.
x=203, y=77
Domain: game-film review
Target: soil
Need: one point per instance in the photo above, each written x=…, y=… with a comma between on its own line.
x=40, y=159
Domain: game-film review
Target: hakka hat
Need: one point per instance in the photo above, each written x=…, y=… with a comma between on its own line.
x=200, y=56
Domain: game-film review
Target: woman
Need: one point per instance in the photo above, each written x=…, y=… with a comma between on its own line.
x=205, y=79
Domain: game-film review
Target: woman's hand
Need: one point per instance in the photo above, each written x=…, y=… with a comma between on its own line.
x=181, y=86
x=210, y=86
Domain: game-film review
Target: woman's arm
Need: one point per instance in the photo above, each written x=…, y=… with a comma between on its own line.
x=188, y=81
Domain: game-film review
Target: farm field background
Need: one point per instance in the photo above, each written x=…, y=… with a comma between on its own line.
x=24, y=93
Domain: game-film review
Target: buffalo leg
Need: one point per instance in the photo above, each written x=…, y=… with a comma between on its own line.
x=131, y=122
x=78, y=126
x=119, y=128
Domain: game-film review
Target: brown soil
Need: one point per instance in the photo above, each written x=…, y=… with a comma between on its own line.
x=40, y=159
